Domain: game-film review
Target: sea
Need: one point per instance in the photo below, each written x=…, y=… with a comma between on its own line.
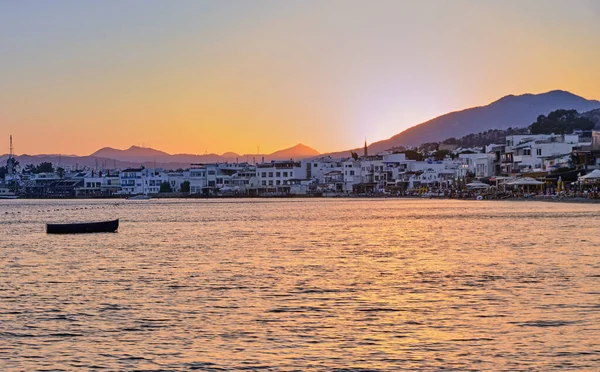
x=301, y=285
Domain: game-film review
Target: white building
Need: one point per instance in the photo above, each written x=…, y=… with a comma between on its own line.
x=222, y=178
x=352, y=173
x=99, y=184
x=481, y=165
x=198, y=180
x=436, y=173
x=176, y=179
x=276, y=174
x=542, y=152
x=135, y=181
x=317, y=168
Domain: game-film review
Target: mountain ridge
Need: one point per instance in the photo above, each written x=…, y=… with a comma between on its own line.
x=508, y=111
x=137, y=153
x=135, y=156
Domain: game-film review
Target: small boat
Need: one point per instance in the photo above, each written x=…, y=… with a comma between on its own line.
x=7, y=194
x=139, y=197
x=81, y=228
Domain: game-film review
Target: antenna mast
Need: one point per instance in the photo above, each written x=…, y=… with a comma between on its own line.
x=10, y=164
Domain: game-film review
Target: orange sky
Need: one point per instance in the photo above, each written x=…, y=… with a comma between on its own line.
x=222, y=76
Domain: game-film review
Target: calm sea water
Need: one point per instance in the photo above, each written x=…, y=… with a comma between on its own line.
x=301, y=285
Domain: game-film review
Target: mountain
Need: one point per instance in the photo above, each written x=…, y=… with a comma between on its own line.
x=144, y=154
x=296, y=152
x=509, y=111
x=134, y=153
x=135, y=156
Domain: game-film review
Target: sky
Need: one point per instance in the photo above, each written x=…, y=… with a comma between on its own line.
x=194, y=76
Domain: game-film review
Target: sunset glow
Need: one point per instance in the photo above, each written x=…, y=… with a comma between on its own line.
x=216, y=76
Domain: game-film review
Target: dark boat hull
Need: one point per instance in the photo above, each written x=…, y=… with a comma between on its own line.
x=82, y=228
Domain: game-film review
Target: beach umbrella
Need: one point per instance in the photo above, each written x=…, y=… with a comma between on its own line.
x=524, y=181
x=594, y=175
x=477, y=185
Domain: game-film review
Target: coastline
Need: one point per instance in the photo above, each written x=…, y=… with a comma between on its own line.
x=576, y=200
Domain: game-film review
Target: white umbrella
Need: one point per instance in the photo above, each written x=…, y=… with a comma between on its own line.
x=525, y=181
x=477, y=185
x=595, y=174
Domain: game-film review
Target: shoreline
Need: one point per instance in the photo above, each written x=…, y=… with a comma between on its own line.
x=576, y=200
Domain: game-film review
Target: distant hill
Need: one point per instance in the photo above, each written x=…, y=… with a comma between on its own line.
x=143, y=154
x=509, y=111
x=297, y=152
x=135, y=156
x=593, y=115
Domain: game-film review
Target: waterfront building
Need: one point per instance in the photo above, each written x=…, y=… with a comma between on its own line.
x=222, y=178
x=480, y=165
x=131, y=181
x=198, y=181
x=136, y=181
x=177, y=178
x=98, y=183
x=440, y=173
x=352, y=174
x=153, y=179
x=326, y=173
x=276, y=175
x=542, y=152
x=50, y=185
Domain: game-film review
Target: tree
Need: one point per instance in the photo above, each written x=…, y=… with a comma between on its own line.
x=185, y=186
x=44, y=167
x=60, y=172
x=441, y=154
x=29, y=168
x=413, y=155
x=354, y=155
x=165, y=187
x=429, y=146
x=560, y=122
x=450, y=141
x=3, y=172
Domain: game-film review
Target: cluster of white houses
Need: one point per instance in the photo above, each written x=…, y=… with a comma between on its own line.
x=357, y=174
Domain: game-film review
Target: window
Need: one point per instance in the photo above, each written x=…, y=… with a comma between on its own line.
x=270, y=174
x=278, y=174
x=285, y=174
x=264, y=174
x=527, y=152
x=264, y=183
x=539, y=152
x=352, y=173
x=270, y=182
x=278, y=182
